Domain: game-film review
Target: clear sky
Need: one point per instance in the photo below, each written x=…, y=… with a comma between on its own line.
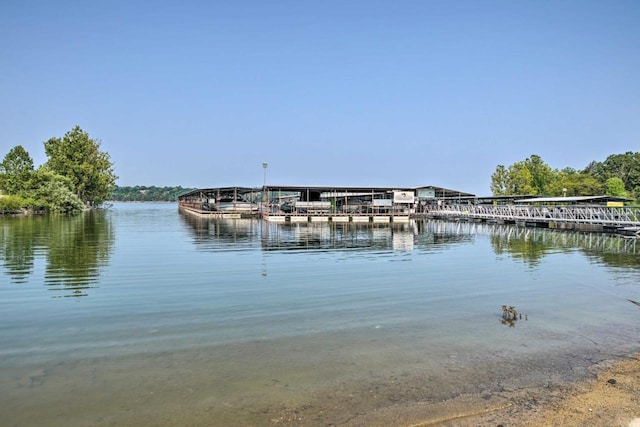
x=406, y=93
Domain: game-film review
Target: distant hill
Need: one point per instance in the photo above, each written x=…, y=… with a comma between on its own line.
x=140, y=193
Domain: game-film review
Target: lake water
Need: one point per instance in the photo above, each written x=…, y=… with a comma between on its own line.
x=143, y=315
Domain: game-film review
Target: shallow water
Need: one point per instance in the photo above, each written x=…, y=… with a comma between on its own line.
x=144, y=315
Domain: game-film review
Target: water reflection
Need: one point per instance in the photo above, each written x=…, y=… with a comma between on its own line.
x=222, y=233
x=18, y=244
x=74, y=248
x=219, y=234
x=326, y=236
x=529, y=245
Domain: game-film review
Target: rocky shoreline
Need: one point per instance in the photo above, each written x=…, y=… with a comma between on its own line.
x=612, y=398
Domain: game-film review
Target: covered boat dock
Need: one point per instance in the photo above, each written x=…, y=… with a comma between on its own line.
x=280, y=203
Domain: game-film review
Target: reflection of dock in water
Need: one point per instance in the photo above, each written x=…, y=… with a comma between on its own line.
x=337, y=236
x=217, y=233
x=529, y=244
x=600, y=242
x=213, y=233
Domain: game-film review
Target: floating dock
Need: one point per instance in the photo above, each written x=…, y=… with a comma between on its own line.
x=568, y=217
x=297, y=204
x=383, y=205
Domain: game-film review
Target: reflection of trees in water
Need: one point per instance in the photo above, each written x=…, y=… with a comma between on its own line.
x=618, y=259
x=79, y=246
x=18, y=243
x=533, y=244
x=525, y=248
x=75, y=248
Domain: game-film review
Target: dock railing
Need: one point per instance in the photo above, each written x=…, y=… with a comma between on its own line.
x=597, y=215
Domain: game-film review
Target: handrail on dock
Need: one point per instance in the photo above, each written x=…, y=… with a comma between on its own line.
x=595, y=215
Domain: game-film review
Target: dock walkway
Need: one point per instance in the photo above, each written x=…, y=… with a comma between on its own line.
x=591, y=218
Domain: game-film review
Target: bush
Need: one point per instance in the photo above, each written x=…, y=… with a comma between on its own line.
x=12, y=204
x=56, y=197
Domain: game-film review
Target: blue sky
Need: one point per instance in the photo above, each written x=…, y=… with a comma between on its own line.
x=387, y=93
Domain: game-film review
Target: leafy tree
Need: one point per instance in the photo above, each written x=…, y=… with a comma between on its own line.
x=52, y=192
x=78, y=157
x=575, y=183
x=15, y=171
x=520, y=179
x=11, y=204
x=541, y=174
x=624, y=166
x=615, y=187
x=531, y=176
x=500, y=181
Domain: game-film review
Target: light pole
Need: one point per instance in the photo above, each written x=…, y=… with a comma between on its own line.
x=564, y=192
x=264, y=181
x=265, y=196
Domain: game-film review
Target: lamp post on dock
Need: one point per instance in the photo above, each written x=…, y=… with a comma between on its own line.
x=265, y=196
x=264, y=181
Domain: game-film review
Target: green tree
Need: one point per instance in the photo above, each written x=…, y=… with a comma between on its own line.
x=615, y=187
x=624, y=166
x=531, y=176
x=12, y=204
x=500, y=181
x=78, y=157
x=52, y=192
x=520, y=179
x=15, y=171
x=571, y=182
x=541, y=174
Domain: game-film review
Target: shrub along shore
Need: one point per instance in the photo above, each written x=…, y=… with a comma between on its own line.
x=76, y=176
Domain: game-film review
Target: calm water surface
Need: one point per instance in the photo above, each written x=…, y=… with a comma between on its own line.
x=142, y=315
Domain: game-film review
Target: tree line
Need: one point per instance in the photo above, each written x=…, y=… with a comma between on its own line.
x=617, y=175
x=76, y=175
x=152, y=193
